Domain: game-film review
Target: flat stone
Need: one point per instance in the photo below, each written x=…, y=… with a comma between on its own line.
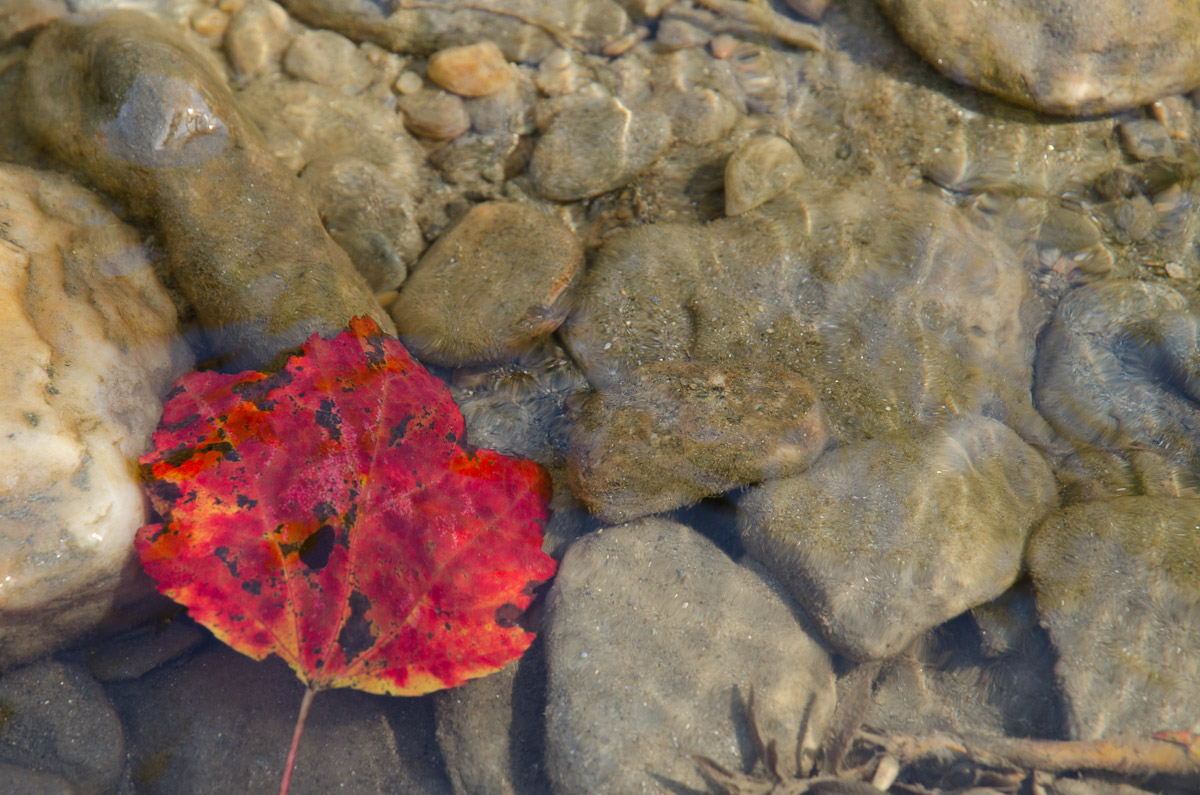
x=1079, y=57
x=490, y=287
x=79, y=399
x=673, y=433
x=629, y=701
x=596, y=147
x=1118, y=588
x=884, y=540
x=473, y=70
x=58, y=720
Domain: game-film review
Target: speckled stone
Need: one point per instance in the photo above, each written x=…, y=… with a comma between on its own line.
x=884, y=540
x=1118, y=587
x=1075, y=57
x=434, y=114
x=672, y=433
x=489, y=287
x=622, y=701
x=596, y=147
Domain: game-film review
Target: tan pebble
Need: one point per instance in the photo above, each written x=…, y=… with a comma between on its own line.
x=210, y=22
x=758, y=171
x=230, y=6
x=435, y=114
x=724, y=46
x=409, y=83
x=474, y=70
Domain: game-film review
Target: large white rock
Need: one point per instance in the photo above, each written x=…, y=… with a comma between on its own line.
x=88, y=346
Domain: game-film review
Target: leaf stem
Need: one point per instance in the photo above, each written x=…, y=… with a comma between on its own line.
x=291, y=759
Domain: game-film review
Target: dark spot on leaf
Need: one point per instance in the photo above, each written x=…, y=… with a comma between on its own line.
x=323, y=510
x=396, y=432
x=179, y=425
x=222, y=554
x=447, y=626
x=315, y=550
x=175, y=392
x=245, y=502
x=224, y=448
x=178, y=457
x=351, y=516
x=265, y=405
x=507, y=615
x=163, y=491
x=356, y=637
x=252, y=587
x=451, y=438
x=254, y=391
x=376, y=355
x=329, y=420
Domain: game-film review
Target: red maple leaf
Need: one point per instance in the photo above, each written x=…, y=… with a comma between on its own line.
x=327, y=514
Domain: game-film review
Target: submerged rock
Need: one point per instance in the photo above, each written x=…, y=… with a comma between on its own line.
x=1118, y=587
x=595, y=147
x=88, y=349
x=884, y=540
x=121, y=97
x=898, y=310
x=628, y=706
x=490, y=287
x=1118, y=374
x=673, y=433
x=758, y=171
x=1077, y=57
x=57, y=720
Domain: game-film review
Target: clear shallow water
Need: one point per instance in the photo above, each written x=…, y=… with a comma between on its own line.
x=906, y=275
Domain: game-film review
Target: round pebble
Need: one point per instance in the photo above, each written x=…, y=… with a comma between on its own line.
x=475, y=70
x=434, y=114
x=329, y=59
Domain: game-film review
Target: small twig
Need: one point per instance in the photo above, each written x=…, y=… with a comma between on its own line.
x=1126, y=756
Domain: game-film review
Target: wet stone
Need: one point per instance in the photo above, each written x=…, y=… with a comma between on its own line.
x=1144, y=139
x=884, y=540
x=758, y=171
x=1118, y=588
x=58, y=720
x=622, y=701
x=593, y=148
x=490, y=730
x=1118, y=376
x=221, y=722
x=474, y=70
x=489, y=287
x=672, y=433
x=150, y=123
x=324, y=57
x=434, y=114
x=1077, y=57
